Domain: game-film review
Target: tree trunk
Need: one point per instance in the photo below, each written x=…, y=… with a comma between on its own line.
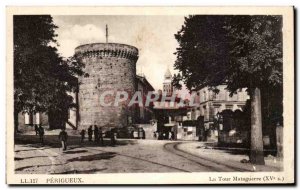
x=16, y=122
x=256, y=149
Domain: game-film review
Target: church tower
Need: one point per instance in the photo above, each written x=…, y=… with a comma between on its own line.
x=167, y=84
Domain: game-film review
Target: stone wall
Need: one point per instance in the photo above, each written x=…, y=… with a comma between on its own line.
x=110, y=67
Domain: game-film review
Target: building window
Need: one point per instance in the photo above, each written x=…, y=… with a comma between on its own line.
x=229, y=107
x=214, y=96
x=26, y=115
x=228, y=97
x=217, y=95
x=221, y=95
x=235, y=97
x=37, y=118
x=241, y=96
x=28, y=119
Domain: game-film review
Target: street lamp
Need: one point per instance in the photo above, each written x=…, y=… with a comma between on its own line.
x=220, y=125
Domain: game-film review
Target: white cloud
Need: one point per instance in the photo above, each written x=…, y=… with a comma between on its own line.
x=67, y=46
x=72, y=36
x=153, y=36
x=152, y=67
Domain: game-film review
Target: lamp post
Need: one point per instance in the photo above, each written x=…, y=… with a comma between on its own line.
x=220, y=124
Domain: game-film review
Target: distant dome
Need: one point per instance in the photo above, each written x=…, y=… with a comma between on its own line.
x=168, y=74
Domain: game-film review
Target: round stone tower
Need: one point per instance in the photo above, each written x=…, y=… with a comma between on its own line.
x=110, y=67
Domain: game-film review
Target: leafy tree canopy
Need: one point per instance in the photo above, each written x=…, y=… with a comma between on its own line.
x=240, y=51
x=42, y=78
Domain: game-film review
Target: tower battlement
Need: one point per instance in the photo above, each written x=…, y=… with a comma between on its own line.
x=107, y=50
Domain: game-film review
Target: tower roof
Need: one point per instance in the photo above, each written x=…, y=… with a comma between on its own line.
x=168, y=73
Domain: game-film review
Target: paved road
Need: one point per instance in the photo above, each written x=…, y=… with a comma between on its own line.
x=127, y=156
x=210, y=164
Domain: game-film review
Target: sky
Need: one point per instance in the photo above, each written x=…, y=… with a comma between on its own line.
x=152, y=35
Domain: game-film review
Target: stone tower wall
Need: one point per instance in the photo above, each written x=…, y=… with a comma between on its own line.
x=110, y=67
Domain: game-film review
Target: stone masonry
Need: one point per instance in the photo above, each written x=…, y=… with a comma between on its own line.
x=110, y=66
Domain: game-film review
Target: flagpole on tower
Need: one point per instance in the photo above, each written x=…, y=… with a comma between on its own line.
x=106, y=34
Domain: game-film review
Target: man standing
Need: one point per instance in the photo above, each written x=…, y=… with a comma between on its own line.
x=82, y=133
x=41, y=133
x=170, y=135
x=154, y=135
x=96, y=133
x=36, y=128
x=113, y=137
x=101, y=135
x=63, y=137
x=90, y=133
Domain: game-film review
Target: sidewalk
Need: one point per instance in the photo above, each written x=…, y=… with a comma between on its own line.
x=229, y=157
x=70, y=132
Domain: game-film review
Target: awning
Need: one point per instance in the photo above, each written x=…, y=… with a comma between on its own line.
x=169, y=125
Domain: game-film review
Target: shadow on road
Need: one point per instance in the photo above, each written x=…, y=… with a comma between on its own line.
x=234, y=149
x=26, y=167
x=101, y=156
x=52, y=141
x=18, y=158
x=75, y=151
x=30, y=149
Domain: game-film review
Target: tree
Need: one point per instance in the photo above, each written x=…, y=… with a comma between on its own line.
x=42, y=78
x=239, y=51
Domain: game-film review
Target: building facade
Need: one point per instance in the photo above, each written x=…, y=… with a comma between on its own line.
x=144, y=113
x=26, y=119
x=211, y=103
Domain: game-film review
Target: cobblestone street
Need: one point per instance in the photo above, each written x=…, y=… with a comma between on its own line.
x=127, y=156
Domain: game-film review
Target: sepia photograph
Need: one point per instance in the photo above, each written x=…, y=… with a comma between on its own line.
x=157, y=95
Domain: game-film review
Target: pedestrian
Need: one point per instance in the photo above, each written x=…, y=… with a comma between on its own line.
x=112, y=137
x=154, y=135
x=101, y=136
x=205, y=134
x=144, y=134
x=96, y=133
x=173, y=135
x=132, y=134
x=41, y=133
x=170, y=135
x=36, y=128
x=160, y=137
x=82, y=133
x=63, y=137
x=90, y=133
